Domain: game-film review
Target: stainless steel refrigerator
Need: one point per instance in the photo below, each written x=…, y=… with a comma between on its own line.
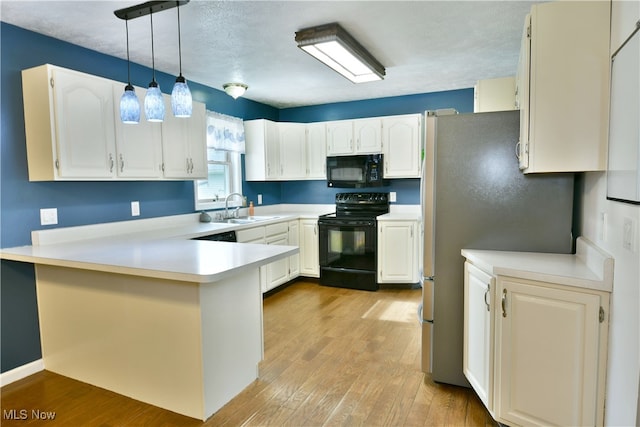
x=474, y=196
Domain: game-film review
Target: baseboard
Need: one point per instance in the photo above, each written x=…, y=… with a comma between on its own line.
x=21, y=372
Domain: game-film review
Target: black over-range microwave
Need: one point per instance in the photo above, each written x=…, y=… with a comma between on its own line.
x=359, y=171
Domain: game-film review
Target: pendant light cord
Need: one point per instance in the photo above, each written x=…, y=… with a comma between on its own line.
x=179, y=41
x=153, y=56
x=126, y=23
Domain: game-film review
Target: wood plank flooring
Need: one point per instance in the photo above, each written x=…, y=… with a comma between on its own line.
x=333, y=357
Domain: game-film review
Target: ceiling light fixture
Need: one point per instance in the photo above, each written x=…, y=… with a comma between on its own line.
x=235, y=89
x=154, y=102
x=181, y=102
x=129, y=103
x=333, y=46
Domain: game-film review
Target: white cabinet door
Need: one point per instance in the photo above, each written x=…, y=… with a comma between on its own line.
x=184, y=143
x=262, y=157
x=294, y=240
x=138, y=146
x=397, y=253
x=84, y=125
x=547, y=354
x=368, y=135
x=401, y=143
x=478, y=332
x=339, y=137
x=293, y=156
x=316, y=151
x=569, y=51
x=277, y=271
x=309, y=259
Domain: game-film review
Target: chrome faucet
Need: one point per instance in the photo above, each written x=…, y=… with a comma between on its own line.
x=226, y=205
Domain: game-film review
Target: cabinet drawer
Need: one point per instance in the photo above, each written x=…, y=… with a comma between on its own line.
x=279, y=228
x=250, y=235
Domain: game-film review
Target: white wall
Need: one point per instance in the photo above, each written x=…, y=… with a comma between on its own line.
x=623, y=371
x=602, y=223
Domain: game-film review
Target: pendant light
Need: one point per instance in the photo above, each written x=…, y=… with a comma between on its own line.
x=129, y=104
x=153, y=101
x=181, y=102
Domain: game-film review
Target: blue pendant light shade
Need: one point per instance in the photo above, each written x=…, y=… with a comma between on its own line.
x=129, y=104
x=153, y=102
x=181, y=102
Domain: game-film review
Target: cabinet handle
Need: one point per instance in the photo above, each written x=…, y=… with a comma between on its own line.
x=485, y=296
x=504, y=303
x=111, y=162
x=411, y=234
x=315, y=230
x=121, y=163
x=187, y=159
x=518, y=150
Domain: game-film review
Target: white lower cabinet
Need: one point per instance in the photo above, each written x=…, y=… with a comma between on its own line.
x=398, y=251
x=478, y=332
x=309, y=241
x=535, y=352
x=280, y=233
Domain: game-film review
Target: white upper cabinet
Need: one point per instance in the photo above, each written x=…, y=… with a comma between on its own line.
x=69, y=125
x=316, y=150
x=340, y=138
x=360, y=136
x=368, y=135
x=262, y=157
x=401, y=145
x=184, y=143
x=293, y=150
x=138, y=146
x=73, y=132
x=563, y=92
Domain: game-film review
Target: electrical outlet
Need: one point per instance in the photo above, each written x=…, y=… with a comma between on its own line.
x=259, y=199
x=49, y=216
x=392, y=196
x=628, y=234
x=135, y=208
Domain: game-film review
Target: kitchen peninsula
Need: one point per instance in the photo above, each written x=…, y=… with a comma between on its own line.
x=152, y=315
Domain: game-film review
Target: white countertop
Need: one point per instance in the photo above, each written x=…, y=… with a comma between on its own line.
x=158, y=247
x=589, y=268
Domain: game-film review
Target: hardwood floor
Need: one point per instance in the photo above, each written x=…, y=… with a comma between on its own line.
x=333, y=357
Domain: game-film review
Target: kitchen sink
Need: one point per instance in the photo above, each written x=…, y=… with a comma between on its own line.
x=245, y=219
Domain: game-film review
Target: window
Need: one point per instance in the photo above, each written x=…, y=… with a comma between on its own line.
x=225, y=143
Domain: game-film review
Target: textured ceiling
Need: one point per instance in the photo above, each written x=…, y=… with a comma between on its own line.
x=425, y=46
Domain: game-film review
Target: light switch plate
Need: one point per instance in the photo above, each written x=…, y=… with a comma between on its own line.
x=135, y=208
x=49, y=216
x=259, y=199
x=392, y=196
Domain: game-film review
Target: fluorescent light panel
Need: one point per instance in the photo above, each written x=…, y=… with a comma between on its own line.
x=334, y=47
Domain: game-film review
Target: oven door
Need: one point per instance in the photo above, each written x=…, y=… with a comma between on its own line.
x=348, y=257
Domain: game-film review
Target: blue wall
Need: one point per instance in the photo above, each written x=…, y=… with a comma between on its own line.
x=81, y=203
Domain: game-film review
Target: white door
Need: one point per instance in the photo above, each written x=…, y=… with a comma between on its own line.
x=396, y=240
x=309, y=259
x=316, y=151
x=478, y=335
x=339, y=137
x=547, y=349
x=277, y=271
x=293, y=156
x=368, y=135
x=294, y=240
x=138, y=146
x=84, y=125
x=401, y=142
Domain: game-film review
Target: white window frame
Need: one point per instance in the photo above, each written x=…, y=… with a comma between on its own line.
x=234, y=163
